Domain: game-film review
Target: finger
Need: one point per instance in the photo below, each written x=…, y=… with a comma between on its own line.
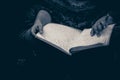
x=92, y=33
x=102, y=26
x=95, y=29
x=100, y=29
x=41, y=30
x=37, y=29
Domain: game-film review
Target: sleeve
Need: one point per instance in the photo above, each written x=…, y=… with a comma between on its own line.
x=32, y=13
x=114, y=10
x=25, y=35
x=111, y=7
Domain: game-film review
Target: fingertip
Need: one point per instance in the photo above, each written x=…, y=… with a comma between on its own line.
x=98, y=35
x=92, y=33
x=41, y=32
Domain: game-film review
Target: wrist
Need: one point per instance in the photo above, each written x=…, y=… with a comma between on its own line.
x=109, y=20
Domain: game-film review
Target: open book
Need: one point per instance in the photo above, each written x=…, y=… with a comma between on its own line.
x=69, y=40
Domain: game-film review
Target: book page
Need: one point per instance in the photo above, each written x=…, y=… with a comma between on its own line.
x=67, y=37
x=85, y=39
x=59, y=35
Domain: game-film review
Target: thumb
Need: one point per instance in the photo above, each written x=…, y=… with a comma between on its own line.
x=41, y=29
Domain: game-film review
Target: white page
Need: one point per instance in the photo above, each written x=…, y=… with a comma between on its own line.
x=67, y=37
x=59, y=35
x=85, y=39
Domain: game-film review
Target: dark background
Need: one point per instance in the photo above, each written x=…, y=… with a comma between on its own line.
x=12, y=13
x=13, y=16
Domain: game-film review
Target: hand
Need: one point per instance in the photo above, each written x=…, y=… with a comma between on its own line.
x=37, y=28
x=101, y=24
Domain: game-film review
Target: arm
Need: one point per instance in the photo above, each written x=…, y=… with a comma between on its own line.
x=42, y=18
